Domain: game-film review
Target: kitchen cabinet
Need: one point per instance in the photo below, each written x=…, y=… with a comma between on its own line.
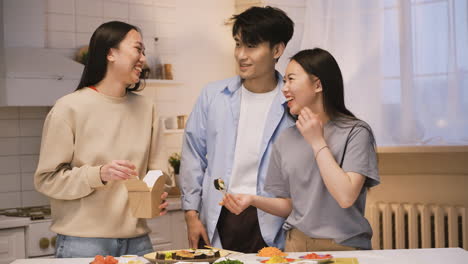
x=12, y=244
x=30, y=74
x=27, y=82
x=169, y=231
x=40, y=239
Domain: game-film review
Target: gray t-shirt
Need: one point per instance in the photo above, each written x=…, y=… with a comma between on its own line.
x=293, y=173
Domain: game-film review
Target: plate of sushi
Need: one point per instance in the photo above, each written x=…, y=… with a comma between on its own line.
x=186, y=255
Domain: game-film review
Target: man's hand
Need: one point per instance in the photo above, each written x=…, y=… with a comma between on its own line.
x=118, y=170
x=195, y=229
x=237, y=203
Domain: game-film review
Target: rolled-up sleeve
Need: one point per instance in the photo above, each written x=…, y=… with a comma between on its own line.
x=193, y=160
x=360, y=156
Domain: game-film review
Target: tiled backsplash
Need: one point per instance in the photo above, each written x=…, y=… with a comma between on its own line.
x=70, y=23
x=20, y=139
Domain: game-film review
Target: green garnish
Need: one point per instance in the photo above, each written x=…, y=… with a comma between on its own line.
x=230, y=261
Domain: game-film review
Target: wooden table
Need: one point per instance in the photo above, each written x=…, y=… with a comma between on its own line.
x=395, y=256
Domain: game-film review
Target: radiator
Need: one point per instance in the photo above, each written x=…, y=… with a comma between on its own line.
x=404, y=225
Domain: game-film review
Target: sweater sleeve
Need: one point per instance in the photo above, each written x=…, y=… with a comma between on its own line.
x=55, y=176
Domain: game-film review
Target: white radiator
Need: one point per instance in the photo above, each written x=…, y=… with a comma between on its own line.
x=403, y=225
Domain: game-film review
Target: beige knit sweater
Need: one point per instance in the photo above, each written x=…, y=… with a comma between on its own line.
x=82, y=132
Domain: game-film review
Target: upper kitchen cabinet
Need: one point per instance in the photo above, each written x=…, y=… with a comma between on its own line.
x=37, y=77
x=31, y=75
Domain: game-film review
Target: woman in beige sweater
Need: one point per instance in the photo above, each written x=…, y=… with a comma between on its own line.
x=93, y=139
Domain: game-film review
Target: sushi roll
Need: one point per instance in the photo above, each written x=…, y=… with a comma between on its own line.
x=219, y=185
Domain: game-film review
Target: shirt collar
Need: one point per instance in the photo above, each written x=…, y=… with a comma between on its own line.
x=236, y=84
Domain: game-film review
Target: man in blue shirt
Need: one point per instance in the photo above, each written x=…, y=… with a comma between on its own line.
x=229, y=136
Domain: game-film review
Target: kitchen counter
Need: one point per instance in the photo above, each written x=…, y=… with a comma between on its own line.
x=12, y=222
x=400, y=256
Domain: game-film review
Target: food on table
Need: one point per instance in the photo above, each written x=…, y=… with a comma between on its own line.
x=188, y=254
x=129, y=259
x=219, y=185
x=270, y=252
x=230, y=261
x=278, y=259
x=317, y=256
x=183, y=254
x=135, y=262
x=168, y=255
x=104, y=260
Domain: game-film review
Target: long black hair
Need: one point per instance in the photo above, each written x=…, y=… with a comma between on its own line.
x=106, y=36
x=321, y=64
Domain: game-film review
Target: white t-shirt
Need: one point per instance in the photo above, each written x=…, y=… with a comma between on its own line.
x=254, y=110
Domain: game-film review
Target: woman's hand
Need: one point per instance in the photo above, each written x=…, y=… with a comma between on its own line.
x=163, y=204
x=237, y=203
x=118, y=170
x=311, y=128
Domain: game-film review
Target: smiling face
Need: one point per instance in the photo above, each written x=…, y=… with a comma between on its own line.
x=301, y=89
x=255, y=61
x=126, y=61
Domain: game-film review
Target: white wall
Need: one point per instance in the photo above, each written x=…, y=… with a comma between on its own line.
x=205, y=46
x=193, y=38
x=204, y=53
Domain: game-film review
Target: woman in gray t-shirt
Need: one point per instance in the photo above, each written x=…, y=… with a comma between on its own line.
x=320, y=169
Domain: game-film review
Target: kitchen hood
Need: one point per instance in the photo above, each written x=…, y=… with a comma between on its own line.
x=36, y=76
x=40, y=63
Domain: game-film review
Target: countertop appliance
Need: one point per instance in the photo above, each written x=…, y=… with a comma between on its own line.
x=40, y=241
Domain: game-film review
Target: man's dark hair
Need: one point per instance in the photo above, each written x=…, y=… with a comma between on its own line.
x=259, y=24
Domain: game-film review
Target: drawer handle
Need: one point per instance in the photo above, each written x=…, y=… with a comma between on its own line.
x=53, y=240
x=44, y=243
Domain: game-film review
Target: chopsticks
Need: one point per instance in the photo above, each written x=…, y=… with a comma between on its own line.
x=228, y=251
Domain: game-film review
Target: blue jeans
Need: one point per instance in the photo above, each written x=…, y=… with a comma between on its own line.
x=88, y=247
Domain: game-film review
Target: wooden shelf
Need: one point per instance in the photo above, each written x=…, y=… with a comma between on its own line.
x=423, y=160
x=423, y=149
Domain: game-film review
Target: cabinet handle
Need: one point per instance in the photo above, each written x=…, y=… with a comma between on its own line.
x=44, y=243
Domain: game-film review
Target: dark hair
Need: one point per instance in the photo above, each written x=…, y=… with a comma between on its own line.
x=321, y=64
x=259, y=24
x=106, y=36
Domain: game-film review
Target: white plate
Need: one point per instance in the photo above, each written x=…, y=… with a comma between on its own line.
x=301, y=259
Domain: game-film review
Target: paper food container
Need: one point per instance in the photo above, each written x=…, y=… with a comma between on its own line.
x=144, y=196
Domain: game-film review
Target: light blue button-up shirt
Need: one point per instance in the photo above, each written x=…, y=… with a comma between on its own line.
x=208, y=153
